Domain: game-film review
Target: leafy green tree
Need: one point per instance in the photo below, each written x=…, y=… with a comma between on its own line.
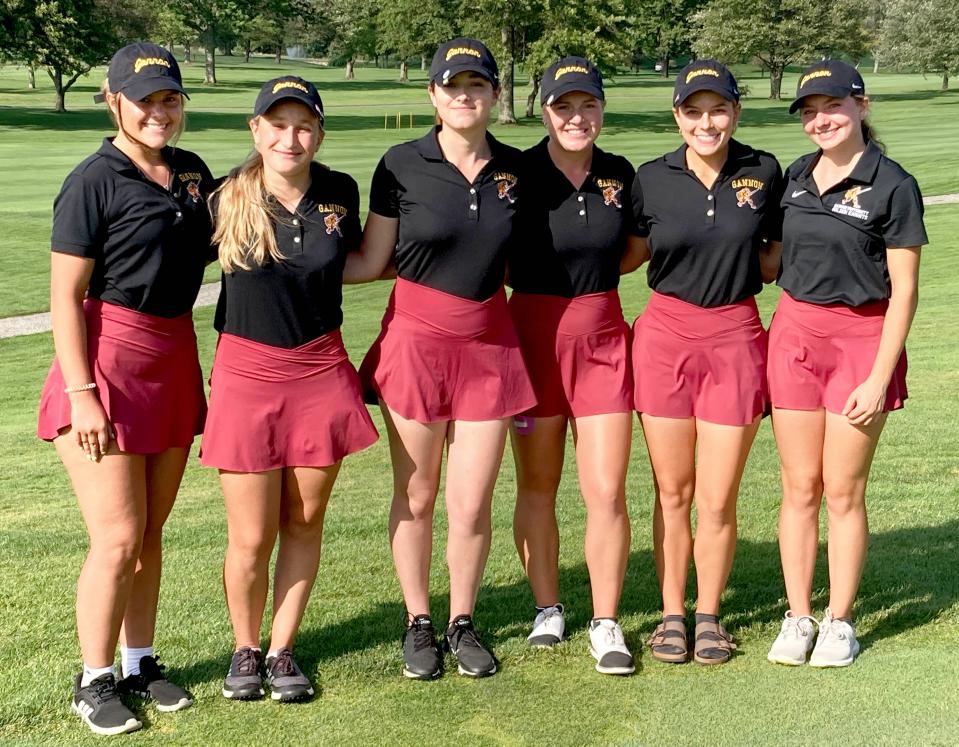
x=354, y=24
x=409, y=28
x=778, y=33
x=213, y=22
x=663, y=28
x=922, y=34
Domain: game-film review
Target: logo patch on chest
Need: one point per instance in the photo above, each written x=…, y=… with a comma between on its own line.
x=746, y=189
x=504, y=186
x=611, y=191
x=333, y=215
x=850, y=203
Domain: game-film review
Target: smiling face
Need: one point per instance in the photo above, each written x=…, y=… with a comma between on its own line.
x=707, y=122
x=832, y=122
x=150, y=122
x=465, y=102
x=287, y=137
x=574, y=121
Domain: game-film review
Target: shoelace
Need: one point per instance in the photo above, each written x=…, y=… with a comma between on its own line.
x=550, y=612
x=283, y=664
x=422, y=636
x=151, y=669
x=247, y=663
x=466, y=636
x=613, y=634
x=794, y=628
x=103, y=689
x=832, y=628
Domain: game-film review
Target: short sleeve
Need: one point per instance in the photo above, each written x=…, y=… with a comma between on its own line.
x=352, y=232
x=903, y=225
x=640, y=224
x=384, y=192
x=773, y=217
x=78, y=219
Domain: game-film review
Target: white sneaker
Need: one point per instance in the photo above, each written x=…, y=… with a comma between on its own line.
x=836, y=645
x=794, y=641
x=608, y=647
x=548, y=628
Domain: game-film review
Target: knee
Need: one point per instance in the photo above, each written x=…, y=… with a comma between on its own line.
x=250, y=551
x=470, y=519
x=717, y=512
x=844, y=498
x=119, y=553
x=304, y=528
x=803, y=492
x=675, y=499
x=605, y=499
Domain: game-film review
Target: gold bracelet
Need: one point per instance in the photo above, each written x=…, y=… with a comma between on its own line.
x=80, y=388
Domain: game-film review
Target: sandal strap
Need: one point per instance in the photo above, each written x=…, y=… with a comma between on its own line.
x=716, y=634
x=665, y=631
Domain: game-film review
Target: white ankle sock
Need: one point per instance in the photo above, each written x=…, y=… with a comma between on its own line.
x=130, y=659
x=91, y=673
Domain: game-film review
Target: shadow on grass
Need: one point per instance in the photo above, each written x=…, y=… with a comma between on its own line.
x=909, y=581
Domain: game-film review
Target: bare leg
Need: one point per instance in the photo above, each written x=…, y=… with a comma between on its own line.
x=539, y=465
x=602, y=457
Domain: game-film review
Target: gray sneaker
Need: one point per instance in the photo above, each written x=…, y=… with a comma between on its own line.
x=795, y=639
x=836, y=645
x=286, y=680
x=244, y=681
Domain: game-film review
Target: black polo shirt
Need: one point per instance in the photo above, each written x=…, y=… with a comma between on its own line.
x=453, y=235
x=149, y=245
x=296, y=300
x=570, y=241
x=834, y=245
x=705, y=243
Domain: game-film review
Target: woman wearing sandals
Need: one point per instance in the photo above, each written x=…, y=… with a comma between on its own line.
x=710, y=211
x=574, y=223
x=284, y=225
x=837, y=364
x=446, y=367
x=124, y=398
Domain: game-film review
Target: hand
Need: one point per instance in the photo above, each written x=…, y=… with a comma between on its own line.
x=865, y=402
x=90, y=425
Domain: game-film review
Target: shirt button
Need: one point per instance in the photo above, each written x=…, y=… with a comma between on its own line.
x=472, y=207
x=296, y=222
x=296, y=239
x=472, y=191
x=709, y=197
x=580, y=198
x=179, y=214
x=710, y=212
x=582, y=212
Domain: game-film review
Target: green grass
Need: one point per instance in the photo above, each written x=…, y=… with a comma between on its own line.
x=901, y=691
x=38, y=147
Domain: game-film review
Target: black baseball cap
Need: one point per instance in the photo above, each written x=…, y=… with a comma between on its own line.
x=137, y=70
x=289, y=87
x=828, y=78
x=705, y=75
x=571, y=74
x=460, y=55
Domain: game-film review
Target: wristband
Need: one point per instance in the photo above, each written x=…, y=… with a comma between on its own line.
x=80, y=388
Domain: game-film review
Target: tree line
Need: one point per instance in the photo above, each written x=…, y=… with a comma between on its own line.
x=66, y=38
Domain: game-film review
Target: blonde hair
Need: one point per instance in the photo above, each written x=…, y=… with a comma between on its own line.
x=244, y=218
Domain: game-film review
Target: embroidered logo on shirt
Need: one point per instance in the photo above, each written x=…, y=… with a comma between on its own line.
x=850, y=203
x=797, y=192
x=611, y=191
x=746, y=188
x=334, y=214
x=193, y=189
x=504, y=186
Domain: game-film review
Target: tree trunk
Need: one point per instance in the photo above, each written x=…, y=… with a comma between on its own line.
x=664, y=64
x=31, y=77
x=507, y=114
x=531, y=99
x=56, y=75
x=945, y=80
x=404, y=71
x=187, y=53
x=279, y=54
x=349, y=68
x=209, y=66
x=875, y=63
x=776, y=81
x=422, y=63
x=247, y=50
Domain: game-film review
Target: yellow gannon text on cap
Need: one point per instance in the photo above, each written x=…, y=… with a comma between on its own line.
x=142, y=62
x=462, y=50
x=570, y=69
x=290, y=84
x=813, y=75
x=701, y=71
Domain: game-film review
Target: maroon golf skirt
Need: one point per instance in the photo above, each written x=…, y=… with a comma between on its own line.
x=275, y=407
x=441, y=357
x=708, y=363
x=819, y=354
x=576, y=352
x=147, y=375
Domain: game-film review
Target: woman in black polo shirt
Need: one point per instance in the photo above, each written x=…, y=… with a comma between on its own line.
x=837, y=364
x=446, y=367
x=710, y=212
x=285, y=402
x=124, y=398
x=575, y=221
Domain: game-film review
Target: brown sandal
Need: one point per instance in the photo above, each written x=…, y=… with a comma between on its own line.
x=668, y=642
x=713, y=644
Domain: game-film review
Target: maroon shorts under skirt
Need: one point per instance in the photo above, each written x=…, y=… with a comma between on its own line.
x=576, y=351
x=148, y=379
x=441, y=357
x=707, y=363
x=275, y=407
x=819, y=354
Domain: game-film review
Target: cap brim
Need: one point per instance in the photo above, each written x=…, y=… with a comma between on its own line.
x=464, y=67
x=293, y=94
x=580, y=86
x=706, y=85
x=143, y=87
x=835, y=91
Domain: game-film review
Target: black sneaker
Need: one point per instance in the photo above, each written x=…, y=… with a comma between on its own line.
x=244, y=681
x=98, y=704
x=473, y=658
x=152, y=684
x=287, y=682
x=422, y=658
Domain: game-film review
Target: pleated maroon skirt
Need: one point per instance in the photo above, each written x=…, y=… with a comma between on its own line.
x=441, y=357
x=576, y=352
x=148, y=379
x=707, y=363
x=819, y=353
x=275, y=407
